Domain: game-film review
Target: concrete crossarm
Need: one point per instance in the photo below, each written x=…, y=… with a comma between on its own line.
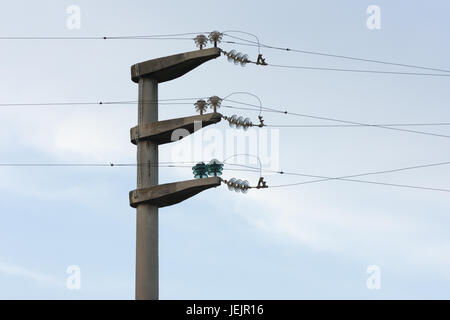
x=161, y=132
x=171, y=193
x=172, y=67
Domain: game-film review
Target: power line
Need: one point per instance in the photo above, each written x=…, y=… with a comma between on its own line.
x=92, y=38
x=364, y=181
x=422, y=166
x=335, y=120
x=247, y=168
x=111, y=164
x=358, y=70
x=177, y=101
x=182, y=36
x=173, y=36
x=381, y=171
x=252, y=43
x=169, y=164
x=56, y=104
x=355, y=125
x=348, y=177
x=368, y=125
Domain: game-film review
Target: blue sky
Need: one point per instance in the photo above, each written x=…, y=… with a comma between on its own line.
x=310, y=241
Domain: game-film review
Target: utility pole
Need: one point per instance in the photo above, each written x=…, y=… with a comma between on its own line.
x=148, y=135
x=147, y=286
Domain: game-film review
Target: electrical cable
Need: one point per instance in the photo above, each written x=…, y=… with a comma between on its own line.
x=348, y=177
x=252, y=43
x=267, y=109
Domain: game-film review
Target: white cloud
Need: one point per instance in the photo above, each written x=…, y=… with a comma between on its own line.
x=401, y=241
x=38, y=277
x=67, y=135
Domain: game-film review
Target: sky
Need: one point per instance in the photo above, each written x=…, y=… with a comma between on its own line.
x=310, y=241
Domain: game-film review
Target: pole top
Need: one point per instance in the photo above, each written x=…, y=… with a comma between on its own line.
x=171, y=67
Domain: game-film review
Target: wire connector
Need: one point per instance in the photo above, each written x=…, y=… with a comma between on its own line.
x=261, y=61
x=261, y=184
x=261, y=121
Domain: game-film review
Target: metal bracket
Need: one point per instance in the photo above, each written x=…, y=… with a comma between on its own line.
x=261, y=184
x=261, y=60
x=261, y=121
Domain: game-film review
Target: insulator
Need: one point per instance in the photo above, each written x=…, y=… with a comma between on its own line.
x=247, y=122
x=231, y=183
x=239, y=122
x=232, y=120
x=200, y=170
x=237, y=185
x=215, y=36
x=201, y=105
x=244, y=60
x=201, y=40
x=245, y=186
x=215, y=168
x=215, y=161
x=231, y=55
x=237, y=58
x=214, y=102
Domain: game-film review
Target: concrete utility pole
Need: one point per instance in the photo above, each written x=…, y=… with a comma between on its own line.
x=148, y=135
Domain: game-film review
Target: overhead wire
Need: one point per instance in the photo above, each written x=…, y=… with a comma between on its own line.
x=357, y=70
x=252, y=169
x=258, y=44
x=267, y=109
x=349, y=177
x=260, y=108
x=173, y=36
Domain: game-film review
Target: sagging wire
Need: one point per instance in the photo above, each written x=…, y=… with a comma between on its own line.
x=260, y=60
x=215, y=102
x=226, y=98
x=215, y=37
x=243, y=185
x=240, y=122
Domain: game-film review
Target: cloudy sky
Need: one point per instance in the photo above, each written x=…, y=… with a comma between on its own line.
x=307, y=241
